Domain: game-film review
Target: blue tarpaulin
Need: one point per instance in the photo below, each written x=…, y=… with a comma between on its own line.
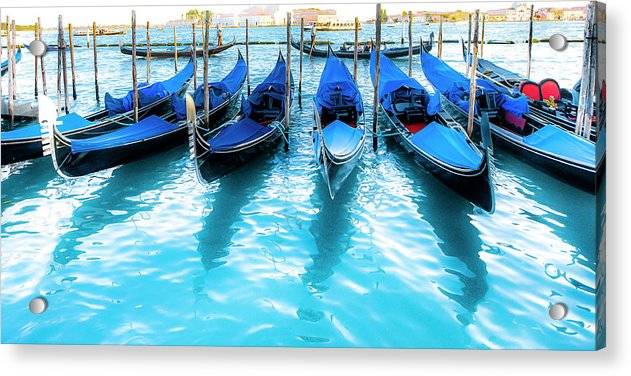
x=148, y=127
x=447, y=145
x=337, y=86
x=4, y=66
x=148, y=94
x=273, y=85
x=455, y=87
x=554, y=140
x=239, y=133
x=341, y=139
x=69, y=122
x=219, y=91
x=391, y=79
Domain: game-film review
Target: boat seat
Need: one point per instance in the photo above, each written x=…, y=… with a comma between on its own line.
x=531, y=90
x=550, y=89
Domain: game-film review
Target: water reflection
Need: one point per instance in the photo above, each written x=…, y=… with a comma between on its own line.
x=117, y=200
x=331, y=230
x=236, y=190
x=451, y=218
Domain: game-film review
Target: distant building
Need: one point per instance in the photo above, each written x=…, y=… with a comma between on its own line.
x=519, y=12
x=258, y=16
x=496, y=15
x=314, y=15
x=226, y=20
x=574, y=14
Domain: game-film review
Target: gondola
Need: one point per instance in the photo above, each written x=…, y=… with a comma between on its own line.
x=256, y=129
x=570, y=158
x=339, y=130
x=437, y=141
x=4, y=66
x=364, y=52
x=77, y=157
x=99, y=32
x=181, y=52
x=548, y=102
x=25, y=142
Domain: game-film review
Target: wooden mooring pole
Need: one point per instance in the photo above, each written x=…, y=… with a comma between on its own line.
x=72, y=65
x=35, y=62
x=375, y=107
x=472, y=80
x=148, y=58
x=96, y=70
x=175, y=46
x=410, y=43
x=302, y=40
x=41, y=59
x=64, y=66
x=133, y=64
x=530, y=32
x=288, y=81
x=440, y=37
x=468, y=60
x=205, y=47
x=194, y=54
x=355, y=49
x=590, y=94
x=247, y=52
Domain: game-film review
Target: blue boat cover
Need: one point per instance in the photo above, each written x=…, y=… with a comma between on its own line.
x=447, y=145
x=69, y=122
x=273, y=85
x=239, y=133
x=454, y=86
x=219, y=91
x=148, y=127
x=148, y=94
x=336, y=79
x=554, y=140
x=341, y=139
x=391, y=79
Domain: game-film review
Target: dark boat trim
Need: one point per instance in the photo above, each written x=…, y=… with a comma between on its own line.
x=181, y=52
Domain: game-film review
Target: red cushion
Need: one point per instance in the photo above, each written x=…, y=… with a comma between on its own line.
x=415, y=127
x=531, y=90
x=550, y=88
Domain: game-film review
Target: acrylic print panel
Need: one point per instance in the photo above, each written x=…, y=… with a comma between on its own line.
x=251, y=196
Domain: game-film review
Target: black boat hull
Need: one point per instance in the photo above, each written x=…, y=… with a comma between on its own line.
x=362, y=55
x=475, y=186
x=183, y=52
x=31, y=148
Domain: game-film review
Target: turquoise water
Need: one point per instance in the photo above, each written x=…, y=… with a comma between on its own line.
x=143, y=254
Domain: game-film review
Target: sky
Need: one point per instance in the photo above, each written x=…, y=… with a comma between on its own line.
x=161, y=11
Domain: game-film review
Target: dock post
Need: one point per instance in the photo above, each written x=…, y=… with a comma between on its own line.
x=87, y=38
x=440, y=37
x=468, y=60
x=356, y=48
x=288, y=81
x=247, y=52
x=375, y=106
x=194, y=55
x=134, y=76
x=64, y=66
x=14, y=62
x=72, y=65
x=11, y=80
x=205, y=47
x=35, y=62
x=482, y=38
x=410, y=43
x=302, y=40
x=472, y=81
x=96, y=70
x=148, y=57
x=41, y=59
x=532, y=14
x=175, y=46
x=590, y=95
